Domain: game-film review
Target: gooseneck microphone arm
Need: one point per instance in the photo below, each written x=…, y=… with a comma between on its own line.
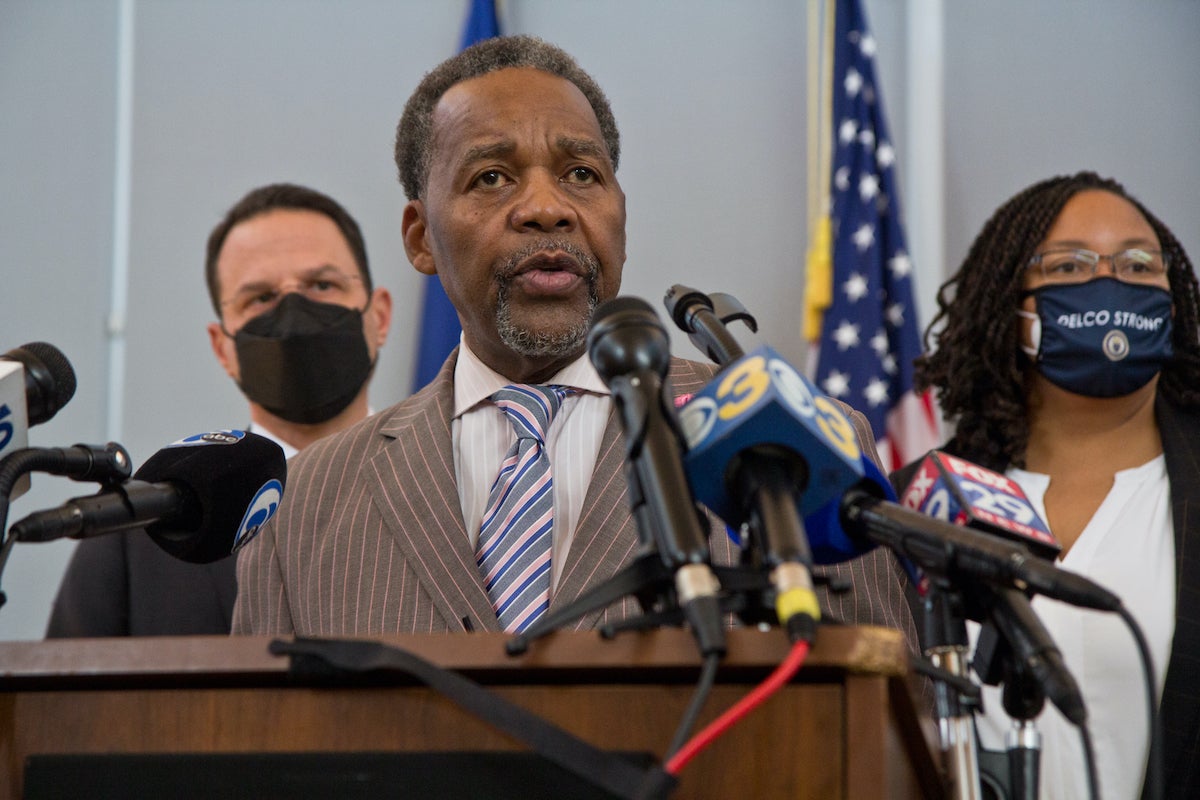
x=108, y=463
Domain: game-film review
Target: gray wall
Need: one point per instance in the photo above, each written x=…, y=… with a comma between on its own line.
x=228, y=94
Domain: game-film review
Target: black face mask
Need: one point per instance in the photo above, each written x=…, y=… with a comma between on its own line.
x=303, y=361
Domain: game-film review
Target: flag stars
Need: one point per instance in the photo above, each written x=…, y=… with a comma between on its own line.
x=866, y=45
x=847, y=131
x=841, y=179
x=868, y=187
x=885, y=155
x=900, y=265
x=855, y=288
x=867, y=138
x=876, y=392
x=879, y=343
x=853, y=82
x=864, y=237
x=837, y=384
x=846, y=335
x=888, y=362
x=895, y=315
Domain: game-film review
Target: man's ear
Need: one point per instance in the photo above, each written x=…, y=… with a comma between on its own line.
x=223, y=349
x=416, y=242
x=381, y=311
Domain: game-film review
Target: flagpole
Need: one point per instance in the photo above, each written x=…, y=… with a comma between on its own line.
x=925, y=134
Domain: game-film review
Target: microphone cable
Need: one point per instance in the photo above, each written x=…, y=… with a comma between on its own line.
x=715, y=729
x=708, y=676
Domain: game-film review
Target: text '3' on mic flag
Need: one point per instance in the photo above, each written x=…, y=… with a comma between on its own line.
x=439, y=329
x=860, y=305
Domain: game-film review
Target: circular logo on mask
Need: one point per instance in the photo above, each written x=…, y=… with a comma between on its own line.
x=1115, y=345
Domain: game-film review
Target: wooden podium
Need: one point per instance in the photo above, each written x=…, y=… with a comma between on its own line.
x=846, y=727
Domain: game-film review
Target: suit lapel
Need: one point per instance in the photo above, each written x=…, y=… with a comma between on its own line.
x=412, y=483
x=606, y=536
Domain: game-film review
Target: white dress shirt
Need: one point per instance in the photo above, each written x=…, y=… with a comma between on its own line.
x=482, y=435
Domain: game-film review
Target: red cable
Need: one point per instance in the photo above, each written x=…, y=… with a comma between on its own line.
x=774, y=682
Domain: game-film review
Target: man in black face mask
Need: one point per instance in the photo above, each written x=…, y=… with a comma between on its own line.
x=299, y=326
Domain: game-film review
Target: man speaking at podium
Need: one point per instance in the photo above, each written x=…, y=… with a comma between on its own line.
x=508, y=154
x=298, y=328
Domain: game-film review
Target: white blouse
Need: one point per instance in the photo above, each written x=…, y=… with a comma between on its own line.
x=1128, y=547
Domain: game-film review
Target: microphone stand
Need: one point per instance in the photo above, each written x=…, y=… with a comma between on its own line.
x=946, y=647
x=1017, y=774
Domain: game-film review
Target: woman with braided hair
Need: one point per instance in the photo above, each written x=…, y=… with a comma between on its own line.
x=1065, y=352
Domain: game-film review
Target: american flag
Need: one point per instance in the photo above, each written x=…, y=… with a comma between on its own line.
x=869, y=332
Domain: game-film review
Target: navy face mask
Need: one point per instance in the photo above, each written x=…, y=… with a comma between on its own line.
x=1102, y=338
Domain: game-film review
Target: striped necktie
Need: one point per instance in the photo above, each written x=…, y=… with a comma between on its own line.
x=515, y=535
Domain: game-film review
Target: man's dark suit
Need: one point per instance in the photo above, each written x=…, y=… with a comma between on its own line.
x=124, y=584
x=370, y=537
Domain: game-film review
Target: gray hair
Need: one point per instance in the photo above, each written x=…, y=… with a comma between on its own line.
x=414, y=134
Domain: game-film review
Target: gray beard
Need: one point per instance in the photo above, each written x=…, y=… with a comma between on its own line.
x=533, y=344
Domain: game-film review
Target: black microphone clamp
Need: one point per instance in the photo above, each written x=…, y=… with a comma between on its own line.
x=102, y=463
x=696, y=314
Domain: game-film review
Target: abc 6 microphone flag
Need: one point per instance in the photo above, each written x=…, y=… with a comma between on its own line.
x=760, y=399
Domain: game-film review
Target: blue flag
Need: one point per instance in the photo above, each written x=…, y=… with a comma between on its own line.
x=869, y=334
x=440, y=330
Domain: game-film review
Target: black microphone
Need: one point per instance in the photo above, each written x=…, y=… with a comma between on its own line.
x=630, y=349
x=694, y=314
x=48, y=376
x=946, y=549
x=200, y=499
x=36, y=380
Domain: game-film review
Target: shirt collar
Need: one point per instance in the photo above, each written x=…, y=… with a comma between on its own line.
x=475, y=381
x=288, y=450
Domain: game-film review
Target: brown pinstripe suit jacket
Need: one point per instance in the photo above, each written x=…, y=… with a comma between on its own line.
x=370, y=537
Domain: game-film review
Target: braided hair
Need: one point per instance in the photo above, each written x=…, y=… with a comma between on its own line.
x=978, y=368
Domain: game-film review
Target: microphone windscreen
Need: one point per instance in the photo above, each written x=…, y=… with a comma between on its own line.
x=49, y=379
x=235, y=480
x=626, y=336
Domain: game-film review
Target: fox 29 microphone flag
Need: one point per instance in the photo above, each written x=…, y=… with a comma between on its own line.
x=440, y=330
x=861, y=303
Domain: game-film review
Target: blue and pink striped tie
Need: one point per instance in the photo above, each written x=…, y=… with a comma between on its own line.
x=515, y=535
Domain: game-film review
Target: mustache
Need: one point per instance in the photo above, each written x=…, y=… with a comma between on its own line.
x=513, y=262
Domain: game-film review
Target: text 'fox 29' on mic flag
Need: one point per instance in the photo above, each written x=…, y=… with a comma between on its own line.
x=440, y=329
x=860, y=304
